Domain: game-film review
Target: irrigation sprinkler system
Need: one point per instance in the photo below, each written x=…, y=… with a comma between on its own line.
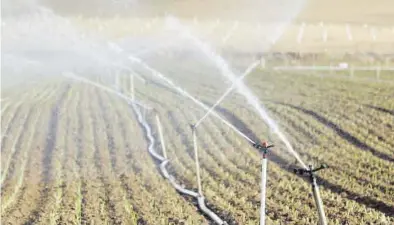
x=163, y=158
x=261, y=147
x=141, y=110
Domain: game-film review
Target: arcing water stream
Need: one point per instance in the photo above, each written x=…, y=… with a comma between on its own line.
x=241, y=87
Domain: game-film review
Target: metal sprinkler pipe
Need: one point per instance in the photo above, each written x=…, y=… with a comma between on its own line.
x=196, y=160
x=315, y=189
x=163, y=146
x=263, y=190
x=263, y=148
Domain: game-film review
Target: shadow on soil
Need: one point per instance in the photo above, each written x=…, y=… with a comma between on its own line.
x=380, y=109
x=48, y=155
x=342, y=133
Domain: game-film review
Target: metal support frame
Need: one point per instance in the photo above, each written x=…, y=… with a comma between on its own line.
x=196, y=160
x=315, y=189
x=263, y=190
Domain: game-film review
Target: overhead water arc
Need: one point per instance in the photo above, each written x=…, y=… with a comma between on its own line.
x=227, y=72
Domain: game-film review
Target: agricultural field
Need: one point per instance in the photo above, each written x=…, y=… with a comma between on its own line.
x=74, y=154
x=100, y=113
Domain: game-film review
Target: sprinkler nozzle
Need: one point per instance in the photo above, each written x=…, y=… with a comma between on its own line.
x=323, y=166
x=310, y=172
x=263, y=147
x=300, y=171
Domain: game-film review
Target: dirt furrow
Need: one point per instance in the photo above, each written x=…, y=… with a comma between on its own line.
x=9, y=196
x=106, y=161
x=24, y=99
x=12, y=155
x=53, y=127
x=27, y=199
x=68, y=209
x=10, y=126
x=122, y=211
x=78, y=140
x=4, y=109
x=105, y=201
x=127, y=160
x=47, y=179
x=94, y=208
x=7, y=111
x=72, y=207
x=54, y=211
x=14, y=193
